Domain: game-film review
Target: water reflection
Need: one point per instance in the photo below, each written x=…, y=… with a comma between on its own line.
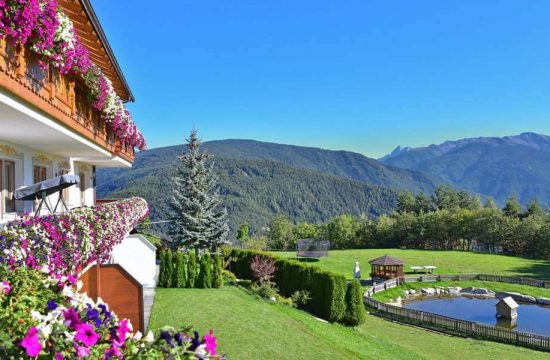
x=531, y=318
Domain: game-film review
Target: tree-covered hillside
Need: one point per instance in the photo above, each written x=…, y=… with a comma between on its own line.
x=255, y=191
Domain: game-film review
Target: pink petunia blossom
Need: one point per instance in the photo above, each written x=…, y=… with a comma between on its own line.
x=85, y=334
x=210, y=342
x=5, y=287
x=72, y=318
x=82, y=351
x=31, y=342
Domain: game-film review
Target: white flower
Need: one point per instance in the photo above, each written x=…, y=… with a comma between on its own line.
x=137, y=336
x=45, y=330
x=149, y=338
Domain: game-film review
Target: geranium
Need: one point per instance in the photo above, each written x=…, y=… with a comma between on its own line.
x=31, y=342
x=85, y=334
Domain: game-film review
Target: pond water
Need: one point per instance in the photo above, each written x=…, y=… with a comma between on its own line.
x=531, y=318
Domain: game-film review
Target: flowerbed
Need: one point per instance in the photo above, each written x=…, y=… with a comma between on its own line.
x=52, y=35
x=43, y=316
x=67, y=243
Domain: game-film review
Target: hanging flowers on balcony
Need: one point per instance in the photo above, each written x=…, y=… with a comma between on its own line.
x=52, y=35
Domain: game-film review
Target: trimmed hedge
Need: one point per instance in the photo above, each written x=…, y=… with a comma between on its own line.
x=178, y=270
x=355, y=311
x=331, y=296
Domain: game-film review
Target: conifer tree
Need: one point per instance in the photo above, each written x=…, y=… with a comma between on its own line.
x=200, y=219
x=178, y=277
x=217, y=275
x=204, y=279
x=191, y=270
x=169, y=269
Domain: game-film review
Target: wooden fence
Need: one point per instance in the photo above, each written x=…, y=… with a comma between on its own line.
x=457, y=326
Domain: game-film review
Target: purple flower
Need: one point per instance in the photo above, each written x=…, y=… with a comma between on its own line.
x=81, y=351
x=52, y=305
x=72, y=319
x=93, y=314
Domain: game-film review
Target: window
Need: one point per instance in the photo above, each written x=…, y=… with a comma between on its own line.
x=39, y=173
x=7, y=186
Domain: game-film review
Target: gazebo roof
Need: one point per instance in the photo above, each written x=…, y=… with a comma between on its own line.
x=386, y=260
x=510, y=302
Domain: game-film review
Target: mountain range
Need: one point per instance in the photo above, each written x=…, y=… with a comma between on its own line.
x=496, y=167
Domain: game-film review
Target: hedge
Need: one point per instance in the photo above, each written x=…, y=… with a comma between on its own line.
x=331, y=296
x=179, y=270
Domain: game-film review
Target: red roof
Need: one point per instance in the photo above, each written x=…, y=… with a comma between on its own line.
x=386, y=260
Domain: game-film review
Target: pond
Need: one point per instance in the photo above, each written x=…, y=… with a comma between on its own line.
x=531, y=318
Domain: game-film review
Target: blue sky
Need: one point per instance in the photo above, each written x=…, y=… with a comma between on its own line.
x=356, y=75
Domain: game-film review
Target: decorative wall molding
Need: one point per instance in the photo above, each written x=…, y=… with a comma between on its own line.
x=42, y=159
x=10, y=151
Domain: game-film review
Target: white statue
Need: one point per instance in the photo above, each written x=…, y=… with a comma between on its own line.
x=357, y=271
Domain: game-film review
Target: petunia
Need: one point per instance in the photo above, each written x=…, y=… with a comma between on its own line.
x=124, y=327
x=5, y=287
x=85, y=334
x=31, y=342
x=59, y=356
x=52, y=305
x=210, y=342
x=72, y=319
x=81, y=351
x=113, y=351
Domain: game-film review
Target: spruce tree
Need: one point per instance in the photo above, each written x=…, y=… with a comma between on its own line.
x=200, y=219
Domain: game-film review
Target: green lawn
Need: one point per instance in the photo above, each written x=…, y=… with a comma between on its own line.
x=447, y=262
x=251, y=328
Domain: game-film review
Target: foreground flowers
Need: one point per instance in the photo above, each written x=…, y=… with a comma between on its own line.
x=45, y=316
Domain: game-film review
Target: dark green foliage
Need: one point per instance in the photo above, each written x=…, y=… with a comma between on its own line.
x=204, y=280
x=217, y=274
x=169, y=271
x=191, y=270
x=327, y=291
x=164, y=276
x=355, y=310
x=179, y=278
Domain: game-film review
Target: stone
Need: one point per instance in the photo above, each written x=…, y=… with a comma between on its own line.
x=543, y=301
x=453, y=289
x=273, y=299
x=517, y=296
x=482, y=291
x=412, y=292
x=407, y=292
x=428, y=291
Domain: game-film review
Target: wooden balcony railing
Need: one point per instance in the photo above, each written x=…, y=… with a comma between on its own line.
x=63, y=97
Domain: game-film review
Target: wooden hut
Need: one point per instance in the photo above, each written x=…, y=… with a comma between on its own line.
x=507, y=308
x=386, y=267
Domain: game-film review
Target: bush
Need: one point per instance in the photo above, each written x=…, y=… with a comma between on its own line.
x=355, y=310
x=204, y=280
x=178, y=278
x=265, y=290
x=335, y=305
x=191, y=270
x=229, y=277
x=169, y=261
x=217, y=280
x=247, y=284
x=300, y=299
x=263, y=268
x=163, y=270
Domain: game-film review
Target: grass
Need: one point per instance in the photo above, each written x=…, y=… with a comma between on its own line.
x=447, y=262
x=251, y=328
x=495, y=286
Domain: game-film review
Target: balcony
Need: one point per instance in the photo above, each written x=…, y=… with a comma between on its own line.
x=62, y=97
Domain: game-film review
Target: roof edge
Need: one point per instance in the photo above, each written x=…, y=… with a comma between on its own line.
x=90, y=12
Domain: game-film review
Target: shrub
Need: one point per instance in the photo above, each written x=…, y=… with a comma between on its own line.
x=178, y=278
x=263, y=269
x=265, y=290
x=300, y=299
x=191, y=270
x=335, y=305
x=169, y=261
x=217, y=280
x=229, y=277
x=355, y=310
x=247, y=284
x=162, y=280
x=204, y=280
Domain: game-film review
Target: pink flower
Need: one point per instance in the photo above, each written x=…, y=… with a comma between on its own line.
x=5, y=287
x=210, y=342
x=59, y=356
x=85, y=334
x=123, y=329
x=113, y=351
x=31, y=342
x=82, y=351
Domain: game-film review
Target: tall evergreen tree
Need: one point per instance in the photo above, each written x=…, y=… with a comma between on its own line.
x=512, y=208
x=200, y=220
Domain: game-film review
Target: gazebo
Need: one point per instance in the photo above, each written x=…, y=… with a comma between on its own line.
x=386, y=267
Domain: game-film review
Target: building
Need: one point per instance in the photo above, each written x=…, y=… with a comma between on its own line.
x=48, y=125
x=386, y=267
x=64, y=114
x=507, y=308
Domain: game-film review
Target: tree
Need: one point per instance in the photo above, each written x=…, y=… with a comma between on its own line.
x=191, y=270
x=281, y=235
x=178, y=276
x=243, y=235
x=204, y=280
x=512, y=208
x=405, y=202
x=217, y=274
x=263, y=268
x=200, y=220
x=534, y=209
